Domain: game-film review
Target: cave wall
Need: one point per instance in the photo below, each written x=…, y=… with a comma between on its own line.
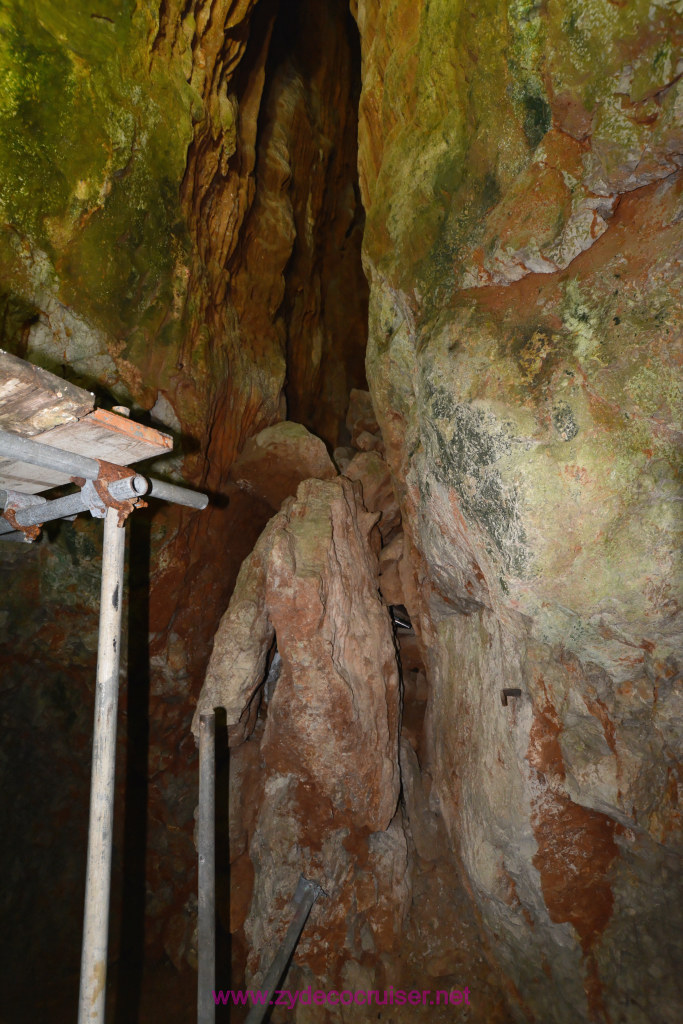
x=324, y=698
x=181, y=227
x=520, y=169
x=181, y=230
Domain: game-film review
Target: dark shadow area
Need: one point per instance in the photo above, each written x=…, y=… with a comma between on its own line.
x=223, y=937
x=47, y=677
x=132, y=933
x=310, y=104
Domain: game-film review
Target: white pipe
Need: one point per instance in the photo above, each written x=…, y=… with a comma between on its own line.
x=206, y=848
x=177, y=495
x=98, y=873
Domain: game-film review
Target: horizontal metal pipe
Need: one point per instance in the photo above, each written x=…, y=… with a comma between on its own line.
x=177, y=495
x=41, y=511
x=23, y=449
x=11, y=534
x=18, y=501
x=128, y=487
x=12, y=446
x=71, y=504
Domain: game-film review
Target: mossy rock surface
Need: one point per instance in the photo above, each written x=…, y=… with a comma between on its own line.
x=93, y=144
x=523, y=184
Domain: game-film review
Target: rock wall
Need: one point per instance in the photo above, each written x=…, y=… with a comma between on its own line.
x=324, y=696
x=520, y=168
x=181, y=228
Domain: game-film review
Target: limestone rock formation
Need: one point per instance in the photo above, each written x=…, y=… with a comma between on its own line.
x=329, y=749
x=519, y=167
x=310, y=583
x=315, y=767
x=276, y=460
x=372, y=472
x=362, y=424
x=390, y=558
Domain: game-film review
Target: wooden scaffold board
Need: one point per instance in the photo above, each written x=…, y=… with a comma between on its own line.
x=36, y=404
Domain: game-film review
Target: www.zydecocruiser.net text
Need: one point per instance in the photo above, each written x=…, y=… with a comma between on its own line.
x=319, y=997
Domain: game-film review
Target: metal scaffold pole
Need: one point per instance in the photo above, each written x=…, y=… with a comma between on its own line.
x=109, y=491
x=98, y=873
x=206, y=847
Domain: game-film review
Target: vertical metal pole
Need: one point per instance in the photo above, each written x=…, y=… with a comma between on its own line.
x=206, y=848
x=98, y=873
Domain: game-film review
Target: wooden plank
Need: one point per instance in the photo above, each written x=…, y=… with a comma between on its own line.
x=99, y=435
x=106, y=435
x=32, y=400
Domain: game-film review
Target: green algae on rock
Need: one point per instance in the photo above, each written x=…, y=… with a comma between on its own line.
x=523, y=360
x=92, y=155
